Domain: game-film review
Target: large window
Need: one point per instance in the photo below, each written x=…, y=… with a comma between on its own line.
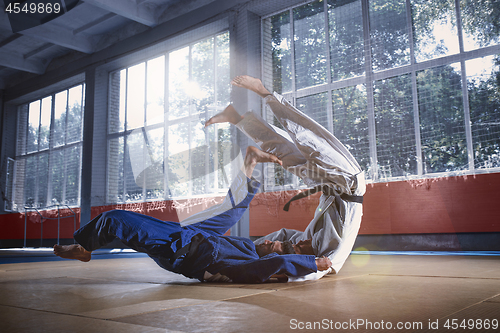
x=158, y=147
x=48, y=161
x=410, y=87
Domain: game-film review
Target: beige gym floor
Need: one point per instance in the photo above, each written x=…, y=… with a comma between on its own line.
x=133, y=294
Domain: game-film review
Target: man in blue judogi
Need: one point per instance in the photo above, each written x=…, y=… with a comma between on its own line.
x=200, y=250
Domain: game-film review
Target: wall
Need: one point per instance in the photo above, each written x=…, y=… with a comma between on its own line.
x=12, y=225
x=453, y=205
x=12, y=228
x=7, y=144
x=426, y=206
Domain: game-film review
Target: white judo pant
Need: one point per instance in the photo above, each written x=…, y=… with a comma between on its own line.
x=312, y=153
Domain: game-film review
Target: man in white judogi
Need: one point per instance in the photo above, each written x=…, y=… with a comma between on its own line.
x=312, y=153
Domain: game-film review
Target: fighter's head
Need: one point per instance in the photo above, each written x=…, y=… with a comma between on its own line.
x=285, y=247
x=278, y=247
x=304, y=247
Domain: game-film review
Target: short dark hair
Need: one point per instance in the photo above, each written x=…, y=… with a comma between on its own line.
x=287, y=247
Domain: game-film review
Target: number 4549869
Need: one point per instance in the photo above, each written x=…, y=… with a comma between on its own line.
x=32, y=8
x=471, y=324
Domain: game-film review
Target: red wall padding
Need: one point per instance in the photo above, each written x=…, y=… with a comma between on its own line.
x=438, y=205
x=12, y=225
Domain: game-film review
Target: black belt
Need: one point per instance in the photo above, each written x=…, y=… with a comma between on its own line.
x=189, y=250
x=327, y=190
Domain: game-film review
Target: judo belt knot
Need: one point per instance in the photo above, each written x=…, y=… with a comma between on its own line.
x=189, y=250
x=327, y=190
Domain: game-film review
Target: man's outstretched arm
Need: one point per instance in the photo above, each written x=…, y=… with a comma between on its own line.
x=323, y=265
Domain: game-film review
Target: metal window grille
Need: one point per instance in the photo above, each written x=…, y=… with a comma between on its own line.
x=48, y=157
x=157, y=146
x=403, y=83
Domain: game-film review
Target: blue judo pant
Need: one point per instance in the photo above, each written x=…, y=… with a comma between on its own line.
x=159, y=239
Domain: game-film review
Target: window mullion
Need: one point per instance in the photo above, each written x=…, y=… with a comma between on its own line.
x=467, y=121
x=124, y=163
x=207, y=138
x=190, y=109
x=372, y=136
x=37, y=182
x=292, y=54
x=295, y=179
x=145, y=149
x=50, y=156
x=39, y=126
x=82, y=114
x=165, y=129
x=65, y=141
x=410, y=32
x=263, y=67
x=465, y=91
x=26, y=127
x=416, y=114
x=65, y=173
x=329, y=107
x=125, y=126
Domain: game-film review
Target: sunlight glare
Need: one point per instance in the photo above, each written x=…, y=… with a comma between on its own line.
x=193, y=89
x=480, y=68
x=360, y=260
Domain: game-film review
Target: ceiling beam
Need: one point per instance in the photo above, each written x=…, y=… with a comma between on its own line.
x=128, y=46
x=54, y=34
x=129, y=9
x=38, y=50
x=17, y=61
x=9, y=39
x=180, y=8
x=94, y=23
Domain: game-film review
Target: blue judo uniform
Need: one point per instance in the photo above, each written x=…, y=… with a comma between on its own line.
x=163, y=241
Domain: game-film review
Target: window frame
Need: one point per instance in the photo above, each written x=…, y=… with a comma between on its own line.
x=23, y=154
x=187, y=42
x=368, y=79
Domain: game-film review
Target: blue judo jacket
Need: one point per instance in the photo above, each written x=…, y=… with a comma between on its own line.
x=236, y=258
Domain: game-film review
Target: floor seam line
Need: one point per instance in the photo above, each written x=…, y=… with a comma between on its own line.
x=238, y=297
x=74, y=315
x=467, y=307
x=53, y=312
x=111, y=280
x=112, y=319
x=323, y=280
x=185, y=306
x=152, y=311
x=438, y=276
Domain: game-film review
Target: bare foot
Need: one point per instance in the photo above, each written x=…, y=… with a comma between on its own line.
x=74, y=251
x=251, y=83
x=253, y=156
x=228, y=115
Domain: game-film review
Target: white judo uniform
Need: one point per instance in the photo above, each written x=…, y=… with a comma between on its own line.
x=312, y=153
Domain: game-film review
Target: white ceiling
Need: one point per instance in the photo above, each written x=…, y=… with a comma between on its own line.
x=91, y=26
